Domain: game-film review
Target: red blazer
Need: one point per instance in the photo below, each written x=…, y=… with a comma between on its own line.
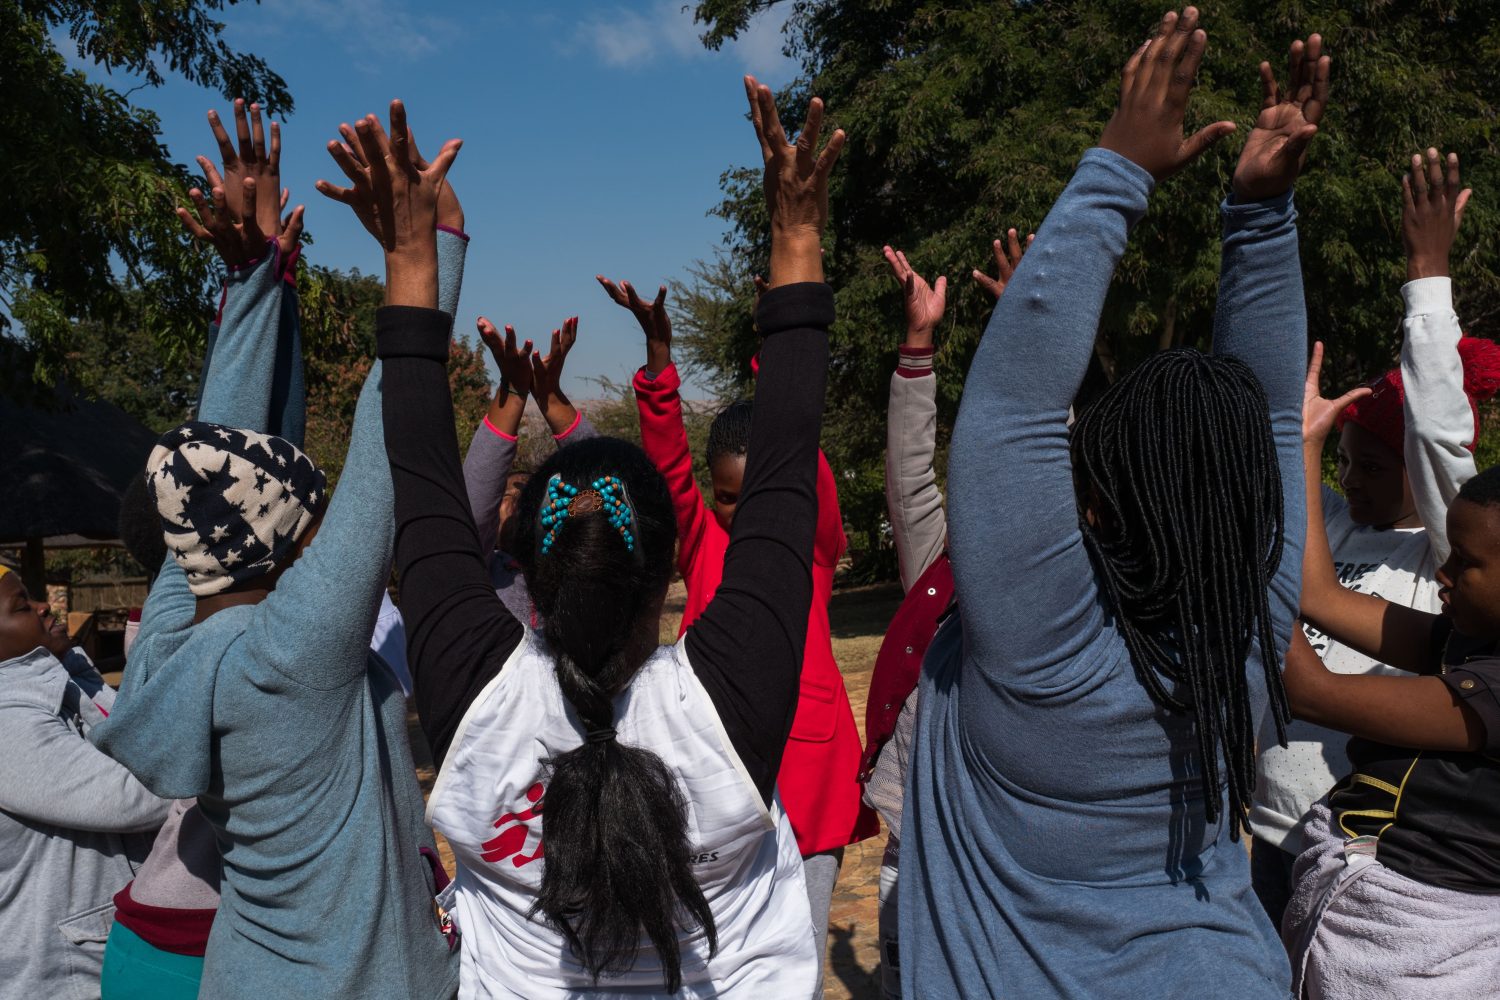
x=819, y=779
x=898, y=665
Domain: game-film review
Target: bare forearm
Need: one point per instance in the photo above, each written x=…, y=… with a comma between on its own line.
x=795, y=257
x=411, y=275
x=1417, y=712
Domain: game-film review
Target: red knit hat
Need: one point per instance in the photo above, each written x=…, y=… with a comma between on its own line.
x=1382, y=413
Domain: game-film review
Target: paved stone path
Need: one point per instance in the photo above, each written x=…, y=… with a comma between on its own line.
x=852, y=967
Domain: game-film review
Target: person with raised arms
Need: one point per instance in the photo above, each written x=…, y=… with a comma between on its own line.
x=1084, y=750
x=251, y=685
x=611, y=802
x=1404, y=450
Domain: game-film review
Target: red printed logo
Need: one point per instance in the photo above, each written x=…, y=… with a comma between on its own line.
x=511, y=841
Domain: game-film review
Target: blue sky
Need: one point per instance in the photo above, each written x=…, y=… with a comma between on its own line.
x=594, y=136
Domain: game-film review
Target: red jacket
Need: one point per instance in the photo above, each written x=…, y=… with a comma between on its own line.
x=898, y=665
x=818, y=780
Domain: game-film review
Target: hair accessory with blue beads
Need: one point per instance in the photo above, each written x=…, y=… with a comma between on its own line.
x=607, y=493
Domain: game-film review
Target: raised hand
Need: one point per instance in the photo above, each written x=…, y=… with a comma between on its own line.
x=514, y=363
x=397, y=202
x=924, y=302
x=255, y=158
x=1147, y=126
x=449, y=212
x=652, y=316
x=1007, y=256
x=1433, y=202
x=237, y=237
x=546, y=378
x=1319, y=414
x=1288, y=120
x=795, y=185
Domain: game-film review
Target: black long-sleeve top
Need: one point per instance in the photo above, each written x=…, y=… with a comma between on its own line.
x=746, y=647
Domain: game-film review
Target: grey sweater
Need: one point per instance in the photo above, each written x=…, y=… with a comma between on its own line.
x=73, y=825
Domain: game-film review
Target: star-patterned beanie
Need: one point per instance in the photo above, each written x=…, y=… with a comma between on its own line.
x=233, y=503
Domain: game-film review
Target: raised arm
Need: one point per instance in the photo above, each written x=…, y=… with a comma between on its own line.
x=492, y=452
x=458, y=632
x=1261, y=316
x=912, y=498
x=1391, y=633
x=252, y=376
x=659, y=404
x=1440, y=426
x=1010, y=444
x=747, y=645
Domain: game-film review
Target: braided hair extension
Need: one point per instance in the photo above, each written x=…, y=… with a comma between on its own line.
x=1177, y=464
x=615, y=820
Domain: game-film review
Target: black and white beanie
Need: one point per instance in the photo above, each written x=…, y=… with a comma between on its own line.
x=232, y=502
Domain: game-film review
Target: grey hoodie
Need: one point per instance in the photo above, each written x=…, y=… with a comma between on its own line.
x=73, y=824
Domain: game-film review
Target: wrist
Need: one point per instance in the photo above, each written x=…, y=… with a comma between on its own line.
x=411, y=277
x=795, y=257
x=559, y=413
x=505, y=413
x=658, y=358
x=918, y=339
x=1419, y=266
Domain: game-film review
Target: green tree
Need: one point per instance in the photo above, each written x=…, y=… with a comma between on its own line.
x=86, y=204
x=966, y=117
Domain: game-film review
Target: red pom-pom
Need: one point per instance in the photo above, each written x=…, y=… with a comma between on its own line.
x=1481, y=361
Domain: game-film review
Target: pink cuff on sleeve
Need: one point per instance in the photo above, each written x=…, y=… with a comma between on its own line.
x=289, y=265
x=577, y=419
x=456, y=232
x=497, y=431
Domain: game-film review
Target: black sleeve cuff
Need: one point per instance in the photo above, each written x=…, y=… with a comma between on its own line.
x=1478, y=685
x=412, y=332
x=795, y=307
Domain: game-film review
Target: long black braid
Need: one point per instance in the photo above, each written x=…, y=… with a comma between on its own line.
x=1177, y=465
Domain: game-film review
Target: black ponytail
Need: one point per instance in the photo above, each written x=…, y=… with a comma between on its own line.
x=617, y=851
x=1178, y=464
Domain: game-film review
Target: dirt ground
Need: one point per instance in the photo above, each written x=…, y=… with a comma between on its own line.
x=852, y=965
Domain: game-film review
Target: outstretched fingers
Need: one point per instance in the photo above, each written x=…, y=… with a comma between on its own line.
x=612, y=290
x=227, y=155
x=242, y=131
x=1270, y=93
x=401, y=140
x=830, y=154
x=210, y=173
x=190, y=221
x=752, y=95
x=807, y=139
x=249, y=222
x=1199, y=142
x=437, y=170
x=897, y=263
x=291, y=227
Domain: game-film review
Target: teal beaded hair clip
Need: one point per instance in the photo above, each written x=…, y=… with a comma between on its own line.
x=607, y=493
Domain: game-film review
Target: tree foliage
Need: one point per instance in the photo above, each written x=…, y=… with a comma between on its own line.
x=86, y=204
x=967, y=117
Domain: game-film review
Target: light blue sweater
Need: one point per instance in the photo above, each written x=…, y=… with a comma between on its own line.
x=296, y=749
x=1054, y=842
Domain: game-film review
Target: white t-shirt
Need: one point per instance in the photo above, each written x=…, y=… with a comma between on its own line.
x=743, y=854
x=1395, y=563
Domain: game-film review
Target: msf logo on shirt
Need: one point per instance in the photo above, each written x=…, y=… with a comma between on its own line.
x=514, y=834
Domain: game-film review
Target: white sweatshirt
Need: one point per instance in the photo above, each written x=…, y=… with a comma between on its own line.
x=1399, y=565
